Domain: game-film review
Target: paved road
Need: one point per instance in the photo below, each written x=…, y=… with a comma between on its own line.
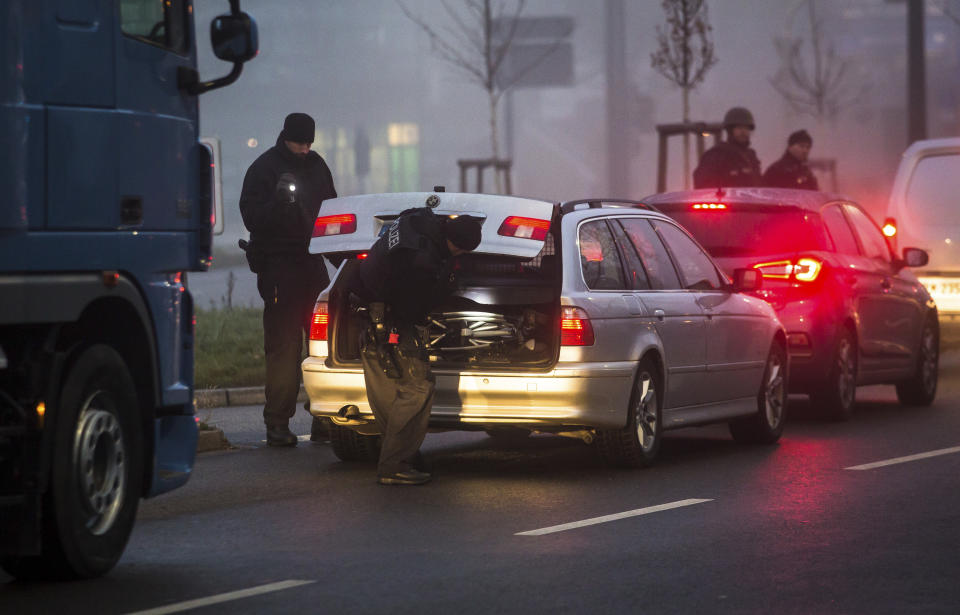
x=786, y=529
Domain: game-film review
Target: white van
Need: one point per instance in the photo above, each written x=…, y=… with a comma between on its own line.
x=924, y=212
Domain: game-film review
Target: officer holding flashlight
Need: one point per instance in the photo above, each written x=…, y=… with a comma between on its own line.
x=282, y=193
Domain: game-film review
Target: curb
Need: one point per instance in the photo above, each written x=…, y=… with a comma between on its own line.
x=239, y=396
x=211, y=440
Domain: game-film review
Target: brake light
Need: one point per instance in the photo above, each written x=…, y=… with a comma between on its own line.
x=320, y=322
x=889, y=227
x=340, y=224
x=709, y=206
x=575, y=328
x=527, y=228
x=806, y=269
x=362, y=256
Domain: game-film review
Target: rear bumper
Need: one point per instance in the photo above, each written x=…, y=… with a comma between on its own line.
x=819, y=322
x=571, y=395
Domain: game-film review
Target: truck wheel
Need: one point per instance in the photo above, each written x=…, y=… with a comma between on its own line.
x=839, y=392
x=95, y=481
x=921, y=389
x=766, y=425
x=637, y=444
x=348, y=445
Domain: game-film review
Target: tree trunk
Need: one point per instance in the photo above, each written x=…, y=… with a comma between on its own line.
x=494, y=140
x=686, y=139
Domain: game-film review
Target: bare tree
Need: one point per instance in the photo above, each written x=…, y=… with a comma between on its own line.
x=684, y=55
x=476, y=44
x=821, y=85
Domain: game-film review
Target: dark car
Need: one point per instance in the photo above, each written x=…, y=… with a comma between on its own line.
x=853, y=311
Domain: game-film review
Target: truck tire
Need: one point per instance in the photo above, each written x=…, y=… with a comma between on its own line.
x=637, y=444
x=348, y=445
x=766, y=426
x=921, y=388
x=95, y=482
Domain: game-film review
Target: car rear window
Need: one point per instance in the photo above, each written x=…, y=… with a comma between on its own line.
x=751, y=230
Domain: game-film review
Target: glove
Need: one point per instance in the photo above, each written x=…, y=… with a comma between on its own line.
x=286, y=191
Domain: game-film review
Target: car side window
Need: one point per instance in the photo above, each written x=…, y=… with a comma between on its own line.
x=843, y=240
x=653, y=254
x=874, y=245
x=599, y=260
x=636, y=274
x=695, y=266
x=160, y=23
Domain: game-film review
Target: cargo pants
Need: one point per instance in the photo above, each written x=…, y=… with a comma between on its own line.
x=401, y=405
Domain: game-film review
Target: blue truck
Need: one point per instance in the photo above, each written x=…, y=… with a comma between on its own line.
x=106, y=204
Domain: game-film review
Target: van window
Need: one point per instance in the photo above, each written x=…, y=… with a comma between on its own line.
x=934, y=191
x=874, y=245
x=599, y=260
x=654, y=255
x=159, y=22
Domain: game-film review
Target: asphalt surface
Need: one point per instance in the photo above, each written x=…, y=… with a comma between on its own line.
x=786, y=528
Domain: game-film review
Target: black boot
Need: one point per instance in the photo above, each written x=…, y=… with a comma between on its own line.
x=320, y=429
x=280, y=436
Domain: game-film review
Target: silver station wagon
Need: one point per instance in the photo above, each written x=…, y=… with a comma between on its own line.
x=597, y=319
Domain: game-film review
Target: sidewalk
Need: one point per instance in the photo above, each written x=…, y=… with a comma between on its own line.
x=239, y=396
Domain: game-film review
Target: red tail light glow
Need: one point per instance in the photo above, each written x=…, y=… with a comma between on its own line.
x=709, y=206
x=320, y=322
x=575, y=328
x=362, y=256
x=340, y=224
x=889, y=227
x=806, y=269
x=527, y=228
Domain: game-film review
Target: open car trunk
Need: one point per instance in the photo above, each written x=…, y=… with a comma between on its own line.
x=503, y=313
x=502, y=316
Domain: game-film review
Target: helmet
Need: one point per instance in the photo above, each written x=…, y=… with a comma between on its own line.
x=738, y=116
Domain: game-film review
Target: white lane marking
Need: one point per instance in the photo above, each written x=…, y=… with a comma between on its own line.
x=895, y=460
x=615, y=517
x=227, y=597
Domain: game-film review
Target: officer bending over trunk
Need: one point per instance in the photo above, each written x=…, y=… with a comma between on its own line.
x=409, y=272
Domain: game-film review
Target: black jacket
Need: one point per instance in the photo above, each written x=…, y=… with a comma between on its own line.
x=788, y=172
x=727, y=165
x=279, y=231
x=409, y=268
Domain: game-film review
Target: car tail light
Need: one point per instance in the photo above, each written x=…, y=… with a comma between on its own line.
x=709, y=206
x=527, y=228
x=889, y=227
x=320, y=322
x=362, y=256
x=575, y=328
x=806, y=269
x=340, y=224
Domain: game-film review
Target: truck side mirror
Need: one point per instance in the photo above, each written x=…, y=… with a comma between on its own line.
x=746, y=280
x=915, y=257
x=234, y=39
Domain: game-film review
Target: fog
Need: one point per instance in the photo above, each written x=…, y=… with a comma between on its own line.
x=363, y=65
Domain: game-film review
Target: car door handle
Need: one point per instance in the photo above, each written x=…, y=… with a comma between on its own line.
x=660, y=314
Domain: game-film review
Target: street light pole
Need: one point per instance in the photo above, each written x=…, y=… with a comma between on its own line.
x=916, y=73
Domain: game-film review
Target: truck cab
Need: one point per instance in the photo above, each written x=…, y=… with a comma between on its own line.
x=105, y=206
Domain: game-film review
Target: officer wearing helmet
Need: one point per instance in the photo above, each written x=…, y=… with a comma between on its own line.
x=732, y=162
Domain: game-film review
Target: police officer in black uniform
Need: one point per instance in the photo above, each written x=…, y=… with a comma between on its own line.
x=732, y=162
x=406, y=274
x=282, y=193
x=791, y=171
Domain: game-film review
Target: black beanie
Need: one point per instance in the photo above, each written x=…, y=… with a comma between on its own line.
x=463, y=232
x=299, y=128
x=800, y=136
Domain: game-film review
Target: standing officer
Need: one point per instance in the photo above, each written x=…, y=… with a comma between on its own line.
x=408, y=272
x=282, y=193
x=732, y=162
x=791, y=171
